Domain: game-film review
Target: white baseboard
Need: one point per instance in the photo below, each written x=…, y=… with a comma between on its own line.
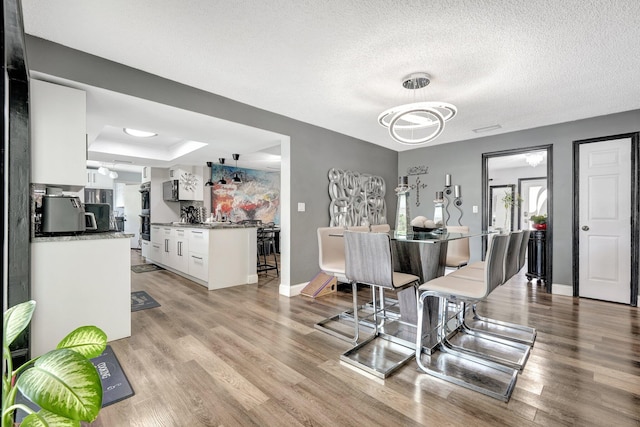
x=560, y=289
x=293, y=290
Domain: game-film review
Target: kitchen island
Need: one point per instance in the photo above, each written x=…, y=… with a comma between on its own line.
x=214, y=255
x=77, y=281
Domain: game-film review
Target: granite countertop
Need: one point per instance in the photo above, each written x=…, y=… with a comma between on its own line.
x=207, y=225
x=86, y=236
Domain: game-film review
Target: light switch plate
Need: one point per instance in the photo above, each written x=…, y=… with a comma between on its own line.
x=475, y=209
x=301, y=207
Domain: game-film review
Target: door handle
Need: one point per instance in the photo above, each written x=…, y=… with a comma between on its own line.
x=585, y=228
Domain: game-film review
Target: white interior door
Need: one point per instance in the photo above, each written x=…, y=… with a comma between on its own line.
x=605, y=220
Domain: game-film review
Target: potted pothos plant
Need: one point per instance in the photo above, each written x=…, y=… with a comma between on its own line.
x=539, y=221
x=63, y=382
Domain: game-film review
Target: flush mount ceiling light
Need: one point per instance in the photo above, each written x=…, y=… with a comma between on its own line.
x=417, y=122
x=103, y=170
x=533, y=159
x=139, y=133
x=236, y=177
x=113, y=174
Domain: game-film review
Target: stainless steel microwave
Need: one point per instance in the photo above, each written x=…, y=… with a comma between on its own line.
x=170, y=191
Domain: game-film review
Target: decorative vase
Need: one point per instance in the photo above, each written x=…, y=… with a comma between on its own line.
x=542, y=226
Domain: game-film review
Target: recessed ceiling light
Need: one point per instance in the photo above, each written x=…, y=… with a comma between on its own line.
x=487, y=128
x=139, y=133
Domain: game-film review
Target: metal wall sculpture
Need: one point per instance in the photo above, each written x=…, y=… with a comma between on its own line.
x=356, y=199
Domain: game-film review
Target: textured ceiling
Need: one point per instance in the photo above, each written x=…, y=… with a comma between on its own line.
x=338, y=64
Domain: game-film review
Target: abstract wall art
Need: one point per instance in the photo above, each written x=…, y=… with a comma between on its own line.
x=257, y=197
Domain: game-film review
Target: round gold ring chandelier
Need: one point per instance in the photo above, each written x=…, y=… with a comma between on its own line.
x=417, y=122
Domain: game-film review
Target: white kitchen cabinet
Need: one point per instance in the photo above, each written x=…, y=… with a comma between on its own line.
x=146, y=249
x=198, y=240
x=189, y=181
x=58, y=135
x=155, y=252
x=199, y=266
x=180, y=254
x=97, y=180
x=157, y=244
x=215, y=257
x=168, y=248
x=83, y=281
x=198, y=253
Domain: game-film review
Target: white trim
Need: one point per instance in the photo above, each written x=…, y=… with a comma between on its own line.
x=285, y=218
x=560, y=289
x=292, y=291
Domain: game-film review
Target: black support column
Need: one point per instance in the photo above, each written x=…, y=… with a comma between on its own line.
x=15, y=167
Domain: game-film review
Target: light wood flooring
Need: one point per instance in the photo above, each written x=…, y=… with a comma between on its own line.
x=246, y=356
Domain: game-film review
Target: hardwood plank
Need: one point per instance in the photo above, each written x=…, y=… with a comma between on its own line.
x=249, y=356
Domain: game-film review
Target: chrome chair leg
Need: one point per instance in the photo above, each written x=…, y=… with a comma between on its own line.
x=481, y=375
x=514, y=354
x=527, y=334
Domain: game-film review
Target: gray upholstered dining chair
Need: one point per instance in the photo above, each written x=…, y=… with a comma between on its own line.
x=380, y=228
x=487, y=373
x=331, y=252
x=361, y=228
x=458, y=254
x=488, y=326
x=526, y=234
x=369, y=261
x=511, y=267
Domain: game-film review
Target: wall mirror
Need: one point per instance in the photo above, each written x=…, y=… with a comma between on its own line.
x=501, y=218
x=526, y=174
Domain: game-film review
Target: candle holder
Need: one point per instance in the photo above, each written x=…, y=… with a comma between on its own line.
x=457, y=198
x=403, y=217
x=438, y=213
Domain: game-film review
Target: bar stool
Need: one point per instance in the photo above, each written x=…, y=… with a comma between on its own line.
x=267, y=246
x=458, y=250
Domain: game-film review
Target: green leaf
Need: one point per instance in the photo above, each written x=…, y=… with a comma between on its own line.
x=52, y=419
x=65, y=383
x=16, y=319
x=90, y=341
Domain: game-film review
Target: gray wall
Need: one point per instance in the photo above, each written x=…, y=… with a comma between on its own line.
x=463, y=160
x=314, y=150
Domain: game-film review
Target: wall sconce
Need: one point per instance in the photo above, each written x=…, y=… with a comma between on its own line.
x=457, y=197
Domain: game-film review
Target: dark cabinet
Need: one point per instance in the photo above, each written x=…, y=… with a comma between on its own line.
x=537, y=256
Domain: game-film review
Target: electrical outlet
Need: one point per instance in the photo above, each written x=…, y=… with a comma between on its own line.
x=301, y=207
x=475, y=209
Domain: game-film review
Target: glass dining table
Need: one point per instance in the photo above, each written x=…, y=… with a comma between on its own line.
x=422, y=254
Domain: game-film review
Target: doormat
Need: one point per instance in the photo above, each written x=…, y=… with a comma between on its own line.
x=140, y=300
x=145, y=268
x=115, y=385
